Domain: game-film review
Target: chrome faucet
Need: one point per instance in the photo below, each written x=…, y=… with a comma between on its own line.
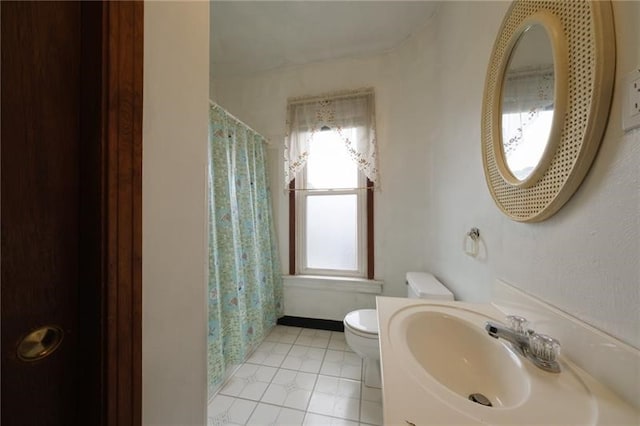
x=518, y=340
x=540, y=349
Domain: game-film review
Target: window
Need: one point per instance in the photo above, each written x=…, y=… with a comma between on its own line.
x=331, y=190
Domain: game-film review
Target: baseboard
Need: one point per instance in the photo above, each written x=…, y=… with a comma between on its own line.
x=315, y=323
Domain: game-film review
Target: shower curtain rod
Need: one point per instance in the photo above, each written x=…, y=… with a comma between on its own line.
x=213, y=104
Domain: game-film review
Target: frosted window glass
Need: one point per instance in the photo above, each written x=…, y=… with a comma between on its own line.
x=329, y=164
x=332, y=232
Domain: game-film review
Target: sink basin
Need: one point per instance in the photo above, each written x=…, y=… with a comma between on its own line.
x=460, y=356
x=435, y=355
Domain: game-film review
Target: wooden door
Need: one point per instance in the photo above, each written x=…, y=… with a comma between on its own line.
x=71, y=211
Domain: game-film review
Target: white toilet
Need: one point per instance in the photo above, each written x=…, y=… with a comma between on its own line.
x=361, y=326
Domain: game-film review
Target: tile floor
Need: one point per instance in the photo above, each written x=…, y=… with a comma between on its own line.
x=298, y=376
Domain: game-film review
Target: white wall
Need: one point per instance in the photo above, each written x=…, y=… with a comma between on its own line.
x=175, y=131
x=584, y=260
x=261, y=100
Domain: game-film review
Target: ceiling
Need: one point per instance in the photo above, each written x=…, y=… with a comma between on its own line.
x=255, y=36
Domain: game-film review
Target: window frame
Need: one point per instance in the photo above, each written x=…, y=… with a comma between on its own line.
x=297, y=199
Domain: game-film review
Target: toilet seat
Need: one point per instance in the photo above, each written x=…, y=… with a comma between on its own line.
x=361, y=326
x=363, y=322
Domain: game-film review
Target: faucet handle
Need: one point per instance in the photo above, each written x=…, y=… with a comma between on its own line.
x=544, y=347
x=518, y=324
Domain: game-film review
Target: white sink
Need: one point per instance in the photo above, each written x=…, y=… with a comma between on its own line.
x=435, y=355
x=461, y=357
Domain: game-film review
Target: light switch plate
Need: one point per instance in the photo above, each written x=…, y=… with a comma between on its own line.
x=631, y=99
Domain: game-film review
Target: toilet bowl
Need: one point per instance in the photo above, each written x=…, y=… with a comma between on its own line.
x=361, y=326
x=361, y=334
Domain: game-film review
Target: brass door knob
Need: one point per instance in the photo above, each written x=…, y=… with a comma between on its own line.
x=40, y=343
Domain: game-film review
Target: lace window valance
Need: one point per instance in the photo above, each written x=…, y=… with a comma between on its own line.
x=527, y=102
x=338, y=113
x=528, y=89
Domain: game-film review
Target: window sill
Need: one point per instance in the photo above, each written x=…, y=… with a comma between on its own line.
x=316, y=282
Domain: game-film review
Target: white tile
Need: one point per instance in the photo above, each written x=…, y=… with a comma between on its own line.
x=312, y=353
x=336, y=397
x=266, y=358
x=350, y=371
x=348, y=388
x=326, y=384
x=337, y=386
x=281, y=348
x=337, y=335
x=286, y=329
x=254, y=391
x=241, y=410
x=249, y=381
x=346, y=408
x=225, y=410
x=310, y=332
x=283, y=376
x=270, y=353
x=342, y=364
x=336, y=406
x=304, y=340
x=292, y=398
x=261, y=373
x=304, y=358
x=290, y=389
x=371, y=412
x=290, y=417
x=219, y=404
x=232, y=387
x=371, y=394
x=338, y=342
x=343, y=356
x=298, y=399
x=266, y=414
x=287, y=338
x=301, y=380
x=265, y=346
x=312, y=419
x=314, y=341
x=339, y=345
x=274, y=347
x=275, y=394
x=283, y=334
x=321, y=403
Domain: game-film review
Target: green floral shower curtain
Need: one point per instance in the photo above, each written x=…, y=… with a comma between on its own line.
x=245, y=283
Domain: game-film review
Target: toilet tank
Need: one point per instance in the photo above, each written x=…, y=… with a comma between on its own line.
x=423, y=285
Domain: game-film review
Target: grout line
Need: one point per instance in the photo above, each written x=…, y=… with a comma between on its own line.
x=252, y=411
x=306, y=409
x=317, y=378
x=322, y=363
x=361, y=399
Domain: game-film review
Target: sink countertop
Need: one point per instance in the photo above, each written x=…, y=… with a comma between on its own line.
x=411, y=396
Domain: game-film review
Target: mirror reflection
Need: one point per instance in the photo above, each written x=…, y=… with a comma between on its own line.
x=527, y=102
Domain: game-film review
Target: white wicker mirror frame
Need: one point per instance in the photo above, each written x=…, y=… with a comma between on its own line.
x=553, y=28
x=587, y=27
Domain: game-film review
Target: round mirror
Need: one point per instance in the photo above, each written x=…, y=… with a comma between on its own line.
x=546, y=101
x=527, y=106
